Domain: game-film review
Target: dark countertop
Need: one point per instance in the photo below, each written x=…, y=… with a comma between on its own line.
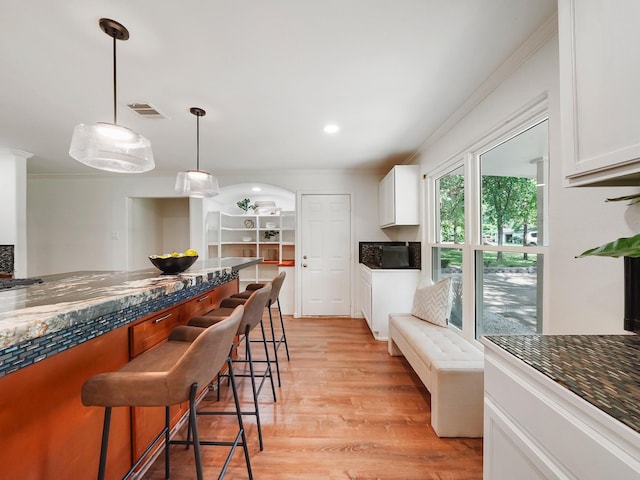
x=377, y=267
x=604, y=370
x=65, y=300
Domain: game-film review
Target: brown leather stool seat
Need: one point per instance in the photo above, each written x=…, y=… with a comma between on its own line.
x=169, y=374
x=252, y=317
x=274, y=299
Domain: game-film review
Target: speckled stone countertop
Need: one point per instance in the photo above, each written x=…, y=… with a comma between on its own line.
x=30, y=314
x=604, y=370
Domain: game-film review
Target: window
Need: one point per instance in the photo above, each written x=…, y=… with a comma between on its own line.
x=447, y=261
x=493, y=246
x=513, y=185
x=450, y=188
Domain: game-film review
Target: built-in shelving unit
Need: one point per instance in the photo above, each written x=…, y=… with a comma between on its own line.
x=271, y=237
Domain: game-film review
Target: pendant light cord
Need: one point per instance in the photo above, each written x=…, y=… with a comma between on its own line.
x=115, y=95
x=198, y=142
x=198, y=112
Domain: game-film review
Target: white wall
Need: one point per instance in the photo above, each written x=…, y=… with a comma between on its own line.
x=585, y=294
x=80, y=222
x=144, y=231
x=175, y=224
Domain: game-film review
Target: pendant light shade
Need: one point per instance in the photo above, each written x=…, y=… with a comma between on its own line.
x=197, y=183
x=109, y=146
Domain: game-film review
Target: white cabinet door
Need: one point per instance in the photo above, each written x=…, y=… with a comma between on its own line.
x=385, y=291
x=600, y=98
x=287, y=292
x=386, y=200
x=399, y=197
x=366, y=294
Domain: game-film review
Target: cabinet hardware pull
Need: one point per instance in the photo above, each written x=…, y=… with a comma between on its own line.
x=202, y=299
x=158, y=320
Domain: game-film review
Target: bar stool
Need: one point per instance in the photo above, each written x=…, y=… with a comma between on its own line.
x=253, y=308
x=166, y=375
x=274, y=298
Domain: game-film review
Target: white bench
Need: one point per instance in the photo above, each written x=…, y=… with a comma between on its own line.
x=450, y=367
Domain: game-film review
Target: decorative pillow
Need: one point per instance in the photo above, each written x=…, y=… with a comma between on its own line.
x=432, y=303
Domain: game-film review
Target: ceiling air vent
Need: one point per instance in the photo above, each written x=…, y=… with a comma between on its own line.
x=145, y=110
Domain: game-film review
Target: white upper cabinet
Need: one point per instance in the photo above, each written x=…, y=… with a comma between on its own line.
x=398, y=197
x=600, y=91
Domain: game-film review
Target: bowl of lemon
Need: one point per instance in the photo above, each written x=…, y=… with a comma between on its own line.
x=175, y=262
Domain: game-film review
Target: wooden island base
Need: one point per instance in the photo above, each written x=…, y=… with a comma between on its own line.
x=48, y=434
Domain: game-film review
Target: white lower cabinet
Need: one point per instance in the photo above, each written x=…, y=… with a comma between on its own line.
x=385, y=291
x=535, y=428
x=287, y=292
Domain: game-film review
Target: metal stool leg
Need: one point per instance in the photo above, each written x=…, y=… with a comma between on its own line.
x=275, y=345
x=240, y=438
x=269, y=370
x=167, y=438
x=193, y=421
x=284, y=334
x=240, y=423
x=105, y=442
x=253, y=388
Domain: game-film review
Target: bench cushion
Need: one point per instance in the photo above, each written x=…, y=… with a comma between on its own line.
x=437, y=344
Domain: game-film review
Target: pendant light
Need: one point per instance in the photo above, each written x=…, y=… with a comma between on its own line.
x=108, y=146
x=197, y=183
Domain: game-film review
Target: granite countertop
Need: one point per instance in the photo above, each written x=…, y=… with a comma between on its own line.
x=604, y=370
x=64, y=300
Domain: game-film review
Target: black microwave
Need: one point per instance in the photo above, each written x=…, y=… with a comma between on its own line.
x=395, y=256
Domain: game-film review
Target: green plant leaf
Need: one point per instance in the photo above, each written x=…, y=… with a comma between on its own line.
x=245, y=204
x=622, y=247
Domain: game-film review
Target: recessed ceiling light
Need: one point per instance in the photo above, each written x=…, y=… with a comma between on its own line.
x=331, y=128
x=256, y=189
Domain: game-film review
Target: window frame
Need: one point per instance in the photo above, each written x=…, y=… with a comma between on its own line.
x=469, y=159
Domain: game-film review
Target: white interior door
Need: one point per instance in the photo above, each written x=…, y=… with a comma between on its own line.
x=325, y=241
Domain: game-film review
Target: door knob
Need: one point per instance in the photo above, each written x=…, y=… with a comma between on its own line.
x=304, y=265
x=304, y=256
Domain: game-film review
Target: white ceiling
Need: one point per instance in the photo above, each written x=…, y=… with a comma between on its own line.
x=269, y=73
x=519, y=156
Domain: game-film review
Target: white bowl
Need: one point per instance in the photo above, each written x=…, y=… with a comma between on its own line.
x=246, y=239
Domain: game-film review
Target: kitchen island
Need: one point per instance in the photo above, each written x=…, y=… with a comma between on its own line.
x=562, y=406
x=56, y=334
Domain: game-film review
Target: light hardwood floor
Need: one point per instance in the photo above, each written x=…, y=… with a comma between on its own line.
x=346, y=410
